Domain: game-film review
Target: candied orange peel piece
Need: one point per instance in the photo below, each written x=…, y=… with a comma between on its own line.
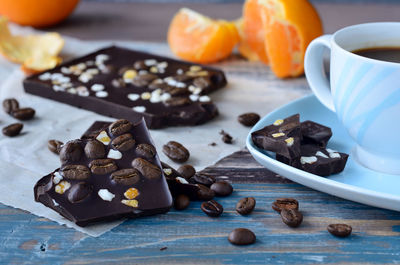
x=35, y=53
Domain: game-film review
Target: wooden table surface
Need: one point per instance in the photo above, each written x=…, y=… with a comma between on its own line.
x=189, y=236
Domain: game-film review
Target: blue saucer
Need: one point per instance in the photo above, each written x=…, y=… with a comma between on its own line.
x=356, y=182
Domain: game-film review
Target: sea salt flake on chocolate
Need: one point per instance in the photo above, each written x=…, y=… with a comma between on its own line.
x=194, y=97
x=150, y=62
x=289, y=141
x=145, y=96
x=278, y=122
x=276, y=135
x=62, y=187
x=97, y=87
x=57, y=177
x=114, y=154
x=101, y=94
x=167, y=171
x=105, y=195
x=204, y=99
x=319, y=153
x=45, y=76
x=182, y=180
x=139, y=109
x=103, y=137
x=308, y=159
x=133, y=96
x=131, y=203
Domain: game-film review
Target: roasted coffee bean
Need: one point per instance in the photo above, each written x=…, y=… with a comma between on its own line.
x=181, y=202
x=176, y=152
x=339, y=230
x=147, y=169
x=23, y=114
x=158, y=84
x=291, y=217
x=285, y=203
x=242, y=236
x=202, y=82
x=10, y=104
x=142, y=80
x=54, y=146
x=119, y=127
x=119, y=82
x=226, y=138
x=182, y=78
x=140, y=65
x=175, y=91
x=123, y=142
x=186, y=171
x=71, y=152
x=177, y=101
x=245, y=205
x=75, y=172
x=146, y=150
x=204, y=179
x=127, y=176
x=94, y=149
x=12, y=129
x=222, y=188
x=102, y=166
x=79, y=192
x=249, y=119
x=212, y=208
x=204, y=193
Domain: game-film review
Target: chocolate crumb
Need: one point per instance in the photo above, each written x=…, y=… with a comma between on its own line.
x=212, y=144
x=226, y=138
x=163, y=248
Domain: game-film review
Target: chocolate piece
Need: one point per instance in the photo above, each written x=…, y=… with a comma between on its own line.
x=102, y=82
x=248, y=119
x=87, y=190
x=282, y=137
x=315, y=133
x=317, y=160
x=226, y=137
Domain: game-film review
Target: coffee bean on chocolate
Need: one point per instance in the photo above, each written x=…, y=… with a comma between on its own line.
x=75, y=172
x=291, y=217
x=71, y=152
x=119, y=127
x=242, y=236
x=54, y=146
x=212, y=208
x=177, y=101
x=245, y=205
x=204, y=179
x=147, y=169
x=140, y=65
x=249, y=119
x=182, y=78
x=123, y=142
x=94, y=149
x=12, y=129
x=285, y=203
x=142, y=80
x=118, y=82
x=79, y=192
x=181, y=202
x=175, y=91
x=202, y=82
x=222, y=188
x=127, y=176
x=204, y=193
x=23, y=114
x=146, y=151
x=186, y=171
x=226, y=138
x=339, y=230
x=102, y=166
x=176, y=152
x=10, y=104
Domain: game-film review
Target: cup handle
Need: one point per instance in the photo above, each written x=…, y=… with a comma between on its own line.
x=314, y=70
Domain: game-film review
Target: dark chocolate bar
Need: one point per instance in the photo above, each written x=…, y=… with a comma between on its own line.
x=282, y=137
x=128, y=84
x=315, y=133
x=114, y=173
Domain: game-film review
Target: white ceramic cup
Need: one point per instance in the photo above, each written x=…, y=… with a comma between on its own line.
x=364, y=92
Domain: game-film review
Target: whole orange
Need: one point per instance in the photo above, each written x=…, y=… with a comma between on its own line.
x=37, y=13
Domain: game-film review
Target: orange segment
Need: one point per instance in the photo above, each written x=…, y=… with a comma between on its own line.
x=243, y=46
x=200, y=39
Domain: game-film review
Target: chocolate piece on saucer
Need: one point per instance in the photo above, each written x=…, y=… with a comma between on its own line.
x=282, y=137
x=132, y=85
x=317, y=160
x=103, y=177
x=315, y=133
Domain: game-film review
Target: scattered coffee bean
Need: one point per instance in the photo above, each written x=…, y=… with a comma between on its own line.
x=75, y=172
x=222, y=188
x=204, y=179
x=127, y=176
x=79, y=192
x=245, y=205
x=23, y=114
x=70, y=152
x=119, y=127
x=226, y=138
x=186, y=171
x=212, y=208
x=123, y=142
x=54, y=146
x=339, y=230
x=242, y=236
x=10, y=104
x=143, y=80
x=181, y=202
x=177, y=101
x=176, y=152
x=204, y=193
x=94, y=149
x=291, y=217
x=163, y=248
x=146, y=150
x=249, y=119
x=147, y=169
x=212, y=144
x=285, y=203
x=102, y=166
x=12, y=129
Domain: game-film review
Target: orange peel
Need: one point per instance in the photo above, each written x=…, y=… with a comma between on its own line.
x=35, y=53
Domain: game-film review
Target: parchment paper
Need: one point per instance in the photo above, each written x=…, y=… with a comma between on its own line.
x=25, y=159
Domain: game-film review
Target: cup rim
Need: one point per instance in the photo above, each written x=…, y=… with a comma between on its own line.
x=340, y=31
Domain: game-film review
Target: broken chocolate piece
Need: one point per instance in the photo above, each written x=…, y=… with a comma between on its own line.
x=315, y=133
